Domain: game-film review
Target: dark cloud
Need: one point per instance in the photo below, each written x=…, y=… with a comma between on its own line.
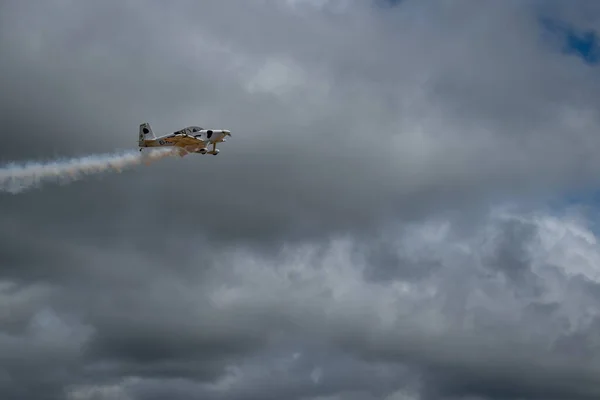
x=300, y=103
x=345, y=244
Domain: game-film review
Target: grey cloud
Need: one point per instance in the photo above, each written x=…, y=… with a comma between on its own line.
x=300, y=159
x=162, y=280
x=180, y=330
x=522, y=349
x=43, y=360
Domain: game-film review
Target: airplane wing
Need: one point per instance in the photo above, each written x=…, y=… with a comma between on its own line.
x=187, y=144
x=185, y=141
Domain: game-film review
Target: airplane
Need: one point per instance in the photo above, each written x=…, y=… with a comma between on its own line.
x=192, y=139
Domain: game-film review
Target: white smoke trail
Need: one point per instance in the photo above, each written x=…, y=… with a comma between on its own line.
x=15, y=178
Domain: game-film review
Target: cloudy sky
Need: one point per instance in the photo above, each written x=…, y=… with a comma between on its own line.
x=406, y=209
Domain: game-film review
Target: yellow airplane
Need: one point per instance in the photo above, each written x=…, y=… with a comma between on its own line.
x=192, y=139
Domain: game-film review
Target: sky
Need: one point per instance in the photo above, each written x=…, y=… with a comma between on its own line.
x=407, y=208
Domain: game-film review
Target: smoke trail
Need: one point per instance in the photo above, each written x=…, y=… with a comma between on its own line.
x=15, y=178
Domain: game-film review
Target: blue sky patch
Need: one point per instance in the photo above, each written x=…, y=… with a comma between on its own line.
x=582, y=43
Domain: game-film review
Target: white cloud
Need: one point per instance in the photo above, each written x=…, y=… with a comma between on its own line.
x=277, y=77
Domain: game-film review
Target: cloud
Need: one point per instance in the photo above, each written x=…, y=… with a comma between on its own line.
x=349, y=242
x=311, y=322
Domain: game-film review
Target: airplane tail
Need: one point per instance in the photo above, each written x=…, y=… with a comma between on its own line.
x=145, y=133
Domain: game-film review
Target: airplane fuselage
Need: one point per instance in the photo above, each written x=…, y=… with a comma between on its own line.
x=209, y=136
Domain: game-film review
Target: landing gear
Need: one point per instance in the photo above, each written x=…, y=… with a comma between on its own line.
x=214, y=150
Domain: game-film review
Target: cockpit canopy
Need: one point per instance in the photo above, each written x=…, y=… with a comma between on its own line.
x=195, y=128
